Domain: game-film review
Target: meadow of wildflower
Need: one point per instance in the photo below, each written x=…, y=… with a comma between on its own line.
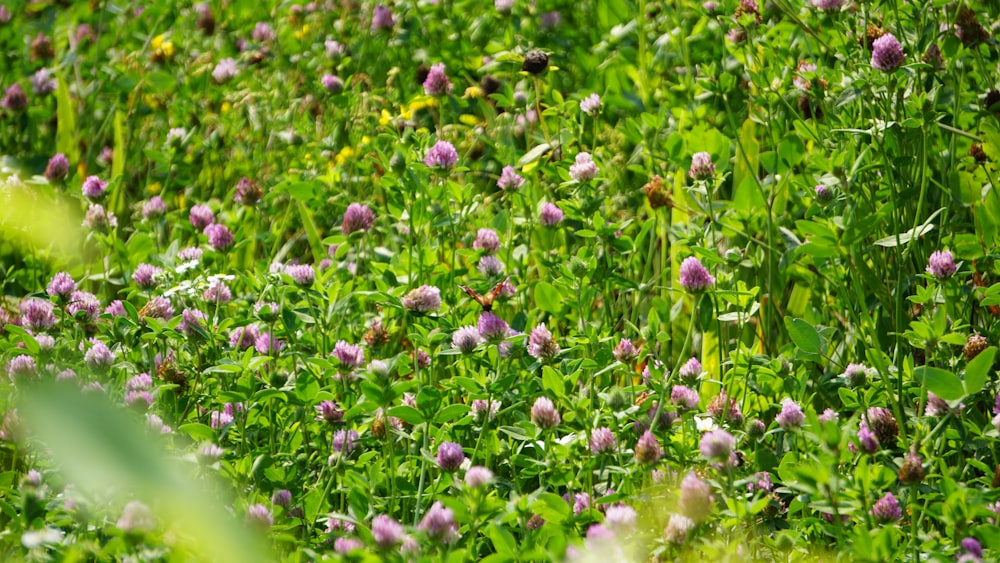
x=521, y=280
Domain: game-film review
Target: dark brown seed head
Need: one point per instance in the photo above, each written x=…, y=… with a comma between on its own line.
x=535, y=61
x=976, y=344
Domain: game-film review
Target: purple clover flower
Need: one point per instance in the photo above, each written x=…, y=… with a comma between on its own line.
x=591, y=104
x=450, y=456
x=219, y=237
x=333, y=83
x=145, y=275
x=941, y=264
x=492, y=328
x=382, y=18
x=487, y=240
x=358, y=217
x=694, y=277
x=541, y=345
x=57, y=168
x=94, y=188
x=550, y=215
x=201, y=216
x=602, y=440
x=437, y=83
x=61, y=286
x=36, y=314
x=684, y=398
x=583, y=168
x=510, y=180
x=442, y=155
x=439, y=524
x=153, y=208
x=887, y=510
x=887, y=53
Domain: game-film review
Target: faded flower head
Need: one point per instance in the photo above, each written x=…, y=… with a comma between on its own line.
x=791, y=416
x=591, y=104
x=695, y=500
x=510, y=180
x=602, y=440
x=439, y=524
x=544, y=413
x=648, y=449
x=702, y=167
x=912, y=470
x=424, y=299
x=583, y=168
x=382, y=18
x=466, y=339
x=550, y=215
x=541, y=345
x=717, y=445
x=478, y=476
x=487, y=240
x=882, y=423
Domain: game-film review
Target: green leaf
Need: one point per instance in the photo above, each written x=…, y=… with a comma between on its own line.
x=198, y=431
x=407, y=414
x=66, y=123
x=534, y=154
x=503, y=540
x=804, y=335
x=978, y=369
x=941, y=382
x=452, y=412
x=547, y=298
x=553, y=381
x=103, y=448
x=311, y=232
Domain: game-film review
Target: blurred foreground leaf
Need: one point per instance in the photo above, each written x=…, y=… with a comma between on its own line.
x=37, y=217
x=101, y=448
